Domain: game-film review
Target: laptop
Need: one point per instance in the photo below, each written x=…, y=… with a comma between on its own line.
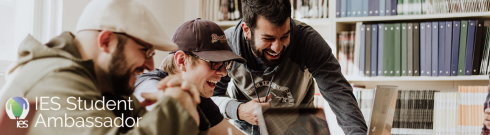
x=383, y=110
x=292, y=121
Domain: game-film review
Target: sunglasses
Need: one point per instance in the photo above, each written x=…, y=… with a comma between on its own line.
x=214, y=65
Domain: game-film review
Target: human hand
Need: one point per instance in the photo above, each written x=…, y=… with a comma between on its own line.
x=183, y=97
x=177, y=81
x=247, y=111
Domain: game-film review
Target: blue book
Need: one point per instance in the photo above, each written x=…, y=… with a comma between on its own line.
x=388, y=7
x=435, y=49
x=374, y=49
x=442, y=46
x=428, y=49
x=382, y=7
x=422, y=49
x=343, y=9
x=375, y=7
x=362, y=50
x=348, y=8
x=469, y=47
x=447, y=48
x=380, y=48
x=357, y=10
x=365, y=7
x=338, y=8
x=394, y=5
x=455, y=48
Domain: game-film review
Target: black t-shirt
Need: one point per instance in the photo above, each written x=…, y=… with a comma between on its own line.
x=211, y=111
x=208, y=107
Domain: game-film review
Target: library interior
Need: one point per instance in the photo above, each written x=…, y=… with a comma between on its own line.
x=379, y=67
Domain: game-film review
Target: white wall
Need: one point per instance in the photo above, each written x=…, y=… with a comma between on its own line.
x=170, y=13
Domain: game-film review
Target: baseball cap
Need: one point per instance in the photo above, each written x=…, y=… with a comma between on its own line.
x=205, y=39
x=125, y=16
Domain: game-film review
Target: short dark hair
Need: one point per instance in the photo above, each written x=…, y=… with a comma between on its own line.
x=275, y=11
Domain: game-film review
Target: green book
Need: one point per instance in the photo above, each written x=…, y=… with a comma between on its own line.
x=404, y=50
x=387, y=43
x=462, y=47
x=397, y=49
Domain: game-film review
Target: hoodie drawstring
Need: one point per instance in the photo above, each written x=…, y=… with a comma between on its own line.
x=255, y=88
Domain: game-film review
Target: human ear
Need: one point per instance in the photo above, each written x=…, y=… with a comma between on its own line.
x=103, y=40
x=180, y=60
x=246, y=30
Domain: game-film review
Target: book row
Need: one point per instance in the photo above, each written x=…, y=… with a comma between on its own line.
x=432, y=112
x=361, y=8
x=433, y=48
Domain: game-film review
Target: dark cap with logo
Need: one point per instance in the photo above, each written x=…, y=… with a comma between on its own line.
x=205, y=39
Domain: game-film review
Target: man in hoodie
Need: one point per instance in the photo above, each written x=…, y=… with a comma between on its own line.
x=115, y=41
x=283, y=57
x=202, y=58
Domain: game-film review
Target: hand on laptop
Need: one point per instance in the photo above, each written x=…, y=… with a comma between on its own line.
x=247, y=111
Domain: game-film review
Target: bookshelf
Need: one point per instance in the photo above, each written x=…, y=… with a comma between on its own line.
x=417, y=78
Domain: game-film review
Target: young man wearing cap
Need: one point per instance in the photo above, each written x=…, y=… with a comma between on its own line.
x=283, y=57
x=200, y=42
x=114, y=43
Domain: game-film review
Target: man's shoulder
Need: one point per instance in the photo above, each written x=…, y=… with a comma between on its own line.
x=54, y=72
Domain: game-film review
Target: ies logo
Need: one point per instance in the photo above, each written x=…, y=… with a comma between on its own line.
x=18, y=108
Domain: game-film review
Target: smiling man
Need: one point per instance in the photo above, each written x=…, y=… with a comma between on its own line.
x=115, y=40
x=202, y=58
x=283, y=57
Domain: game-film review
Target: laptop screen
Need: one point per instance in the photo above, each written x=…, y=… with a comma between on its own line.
x=293, y=121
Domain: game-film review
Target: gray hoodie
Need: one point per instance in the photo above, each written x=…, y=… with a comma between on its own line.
x=307, y=57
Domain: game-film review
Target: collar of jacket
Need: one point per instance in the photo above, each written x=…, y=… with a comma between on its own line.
x=60, y=46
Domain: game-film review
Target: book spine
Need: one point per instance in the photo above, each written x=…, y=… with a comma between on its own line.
x=416, y=49
x=428, y=49
x=382, y=7
x=462, y=47
x=435, y=47
x=447, y=45
x=374, y=49
x=343, y=9
x=469, y=47
x=410, y=50
x=375, y=7
x=388, y=7
x=365, y=7
x=394, y=10
x=478, y=47
x=404, y=49
x=367, y=67
x=387, y=44
x=380, y=48
x=397, y=50
x=442, y=40
x=362, y=55
x=423, y=58
x=350, y=7
x=338, y=8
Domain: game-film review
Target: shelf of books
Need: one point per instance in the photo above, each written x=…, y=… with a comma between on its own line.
x=417, y=78
x=413, y=17
x=431, y=111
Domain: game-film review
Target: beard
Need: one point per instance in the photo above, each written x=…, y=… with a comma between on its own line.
x=261, y=53
x=120, y=83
